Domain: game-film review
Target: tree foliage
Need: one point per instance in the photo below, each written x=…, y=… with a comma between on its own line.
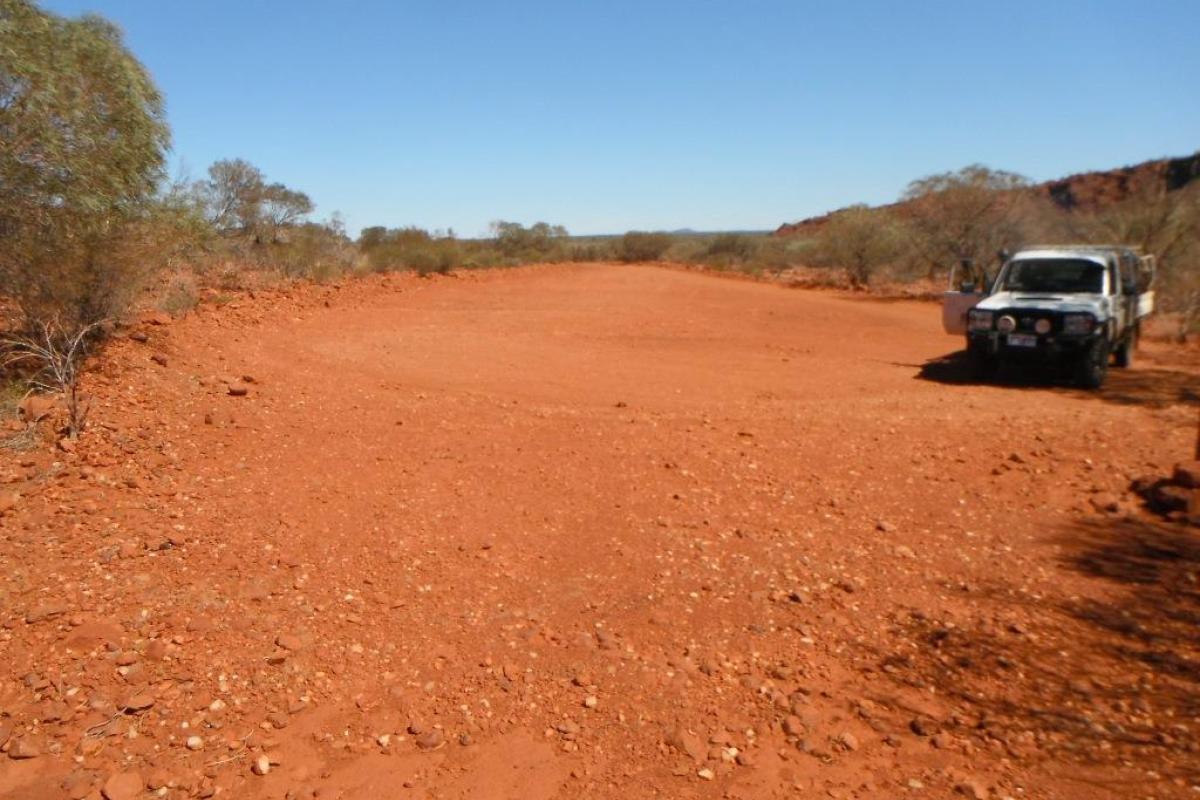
x=82, y=145
x=534, y=243
x=861, y=240
x=643, y=246
x=240, y=201
x=970, y=214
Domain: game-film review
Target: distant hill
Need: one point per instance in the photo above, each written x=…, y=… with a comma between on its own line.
x=1086, y=191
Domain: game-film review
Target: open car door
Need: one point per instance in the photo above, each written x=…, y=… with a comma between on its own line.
x=961, y=297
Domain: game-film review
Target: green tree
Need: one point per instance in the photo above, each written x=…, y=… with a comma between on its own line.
x=860, y=239
x=82, y=146
x=970, y=214
x=643, y=246
x=538, y=241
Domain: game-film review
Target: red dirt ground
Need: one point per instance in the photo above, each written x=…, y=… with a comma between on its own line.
x=595, y=531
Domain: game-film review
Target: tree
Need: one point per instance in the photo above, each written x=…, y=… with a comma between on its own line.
x=240, y=201
x=537, y=241
x=968, y=215
x=82, y=146
x=1165, y=223
x=234, y=195
x=643, y=246
x=860, y=239
x=283, y=207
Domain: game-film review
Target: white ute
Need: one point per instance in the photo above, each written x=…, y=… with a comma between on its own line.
x=1075, y=304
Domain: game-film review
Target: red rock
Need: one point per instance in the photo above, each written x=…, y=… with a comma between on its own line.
x=47, y=611
x=123, y=786
x=238, y=391
x=138, y=702
x=687, y=743
x=289, y=641
x=1105, y=502
x=24, y=748
x=1187, y=474
x=431, y=739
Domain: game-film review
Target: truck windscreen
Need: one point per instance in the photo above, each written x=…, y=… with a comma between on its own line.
x=1054, y=276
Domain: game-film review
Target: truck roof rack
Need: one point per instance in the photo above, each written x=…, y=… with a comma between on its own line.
x=1081, y=246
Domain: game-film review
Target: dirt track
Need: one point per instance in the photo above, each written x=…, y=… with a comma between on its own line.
x=596, y=532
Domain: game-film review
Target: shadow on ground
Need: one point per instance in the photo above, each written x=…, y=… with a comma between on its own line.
x=1154, y=387
x=1108, y=674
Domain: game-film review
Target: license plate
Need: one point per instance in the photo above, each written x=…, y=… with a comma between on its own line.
x=1021, y=340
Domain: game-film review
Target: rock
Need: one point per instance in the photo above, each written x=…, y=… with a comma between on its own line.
x=138, y=702
x=157, y=318
x=194, y=743
x=289, y=641
x=160, y=359
x=123, y=786
x=687, y=743
x=24, y=748
x=238, y=391
x=974, y=789
x=1187, y=474
x=431, y=739
x=44, y=612
x=793, y=726
x=706, y=774
x=159, y=779
x=1166, y=498
x=848, y=740
x=590, y=701
x=885, y=526
x=1105, y=503
x=139, y=336
x=261, y=765
x=1143, y=486
x=37, y=407
x=920, y=727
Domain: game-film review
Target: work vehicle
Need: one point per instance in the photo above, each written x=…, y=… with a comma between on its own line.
x=1079, y=306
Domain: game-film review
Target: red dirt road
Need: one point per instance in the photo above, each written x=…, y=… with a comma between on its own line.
x=595, y=531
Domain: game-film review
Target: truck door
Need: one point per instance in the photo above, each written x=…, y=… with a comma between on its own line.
x=961, y=296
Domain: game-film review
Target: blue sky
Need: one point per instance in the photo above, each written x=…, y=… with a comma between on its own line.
x=607, y=116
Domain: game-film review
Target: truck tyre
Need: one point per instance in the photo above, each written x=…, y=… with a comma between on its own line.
x=1092, y=367
x=984, y=364
x=1124, y=354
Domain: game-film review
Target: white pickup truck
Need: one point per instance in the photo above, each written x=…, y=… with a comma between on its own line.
x=1076, y=304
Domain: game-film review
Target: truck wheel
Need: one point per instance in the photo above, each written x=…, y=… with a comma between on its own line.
x=1093, y=365
x=984, y=365
x=1124, y=354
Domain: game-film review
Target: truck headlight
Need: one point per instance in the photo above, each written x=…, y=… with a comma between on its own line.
x=979, y=320
x=1078, y=323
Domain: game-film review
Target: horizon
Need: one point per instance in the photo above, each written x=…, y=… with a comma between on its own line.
x=661, y=116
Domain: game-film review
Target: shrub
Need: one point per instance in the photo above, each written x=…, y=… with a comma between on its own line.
x=642, y=246
x=180, y=296
x=84, y=142
x=730, y=248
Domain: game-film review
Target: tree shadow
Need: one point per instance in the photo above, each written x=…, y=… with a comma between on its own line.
x=1152, y=387
x=1106, y=674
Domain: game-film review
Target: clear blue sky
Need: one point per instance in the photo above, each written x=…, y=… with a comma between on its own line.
x=610, y=115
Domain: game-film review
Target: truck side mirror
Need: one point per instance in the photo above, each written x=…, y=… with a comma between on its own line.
x=968, y=287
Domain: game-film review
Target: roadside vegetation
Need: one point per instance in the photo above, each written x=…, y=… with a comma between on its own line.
x=93, y=228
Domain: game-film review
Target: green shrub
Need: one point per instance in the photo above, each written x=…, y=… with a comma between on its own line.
x=730, y=248
x=643, y=246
